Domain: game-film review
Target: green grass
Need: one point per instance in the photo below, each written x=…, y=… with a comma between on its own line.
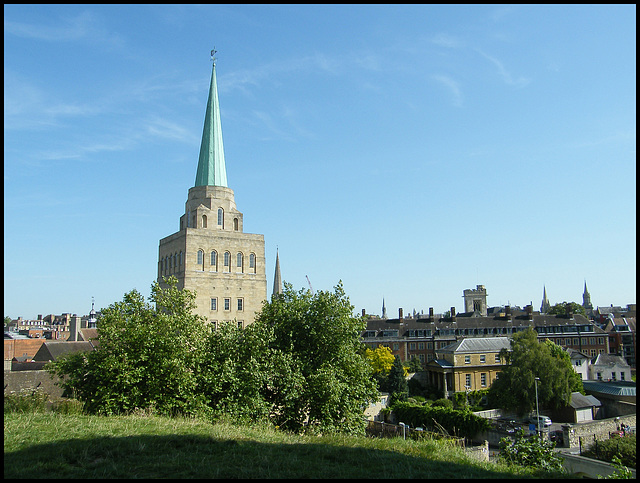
x=54, y=445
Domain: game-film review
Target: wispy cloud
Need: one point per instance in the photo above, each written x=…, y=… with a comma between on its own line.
x=504, y=73
x=84, y=26
x=448, y=41
x=452, y=86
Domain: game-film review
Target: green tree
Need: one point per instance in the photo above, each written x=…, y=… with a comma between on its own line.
x=320, y=340
x=397, y=382
x=561, y=309
x=148, y=357
x=514, y=389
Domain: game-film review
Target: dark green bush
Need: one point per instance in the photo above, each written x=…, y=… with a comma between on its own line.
x=456, y=422
x=624, y=448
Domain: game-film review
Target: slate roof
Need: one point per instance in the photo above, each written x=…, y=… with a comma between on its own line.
x=51, y=351
x=609, y=360
x=465, y=321
x=484, y=344
x=580, y=401
x=613, y=388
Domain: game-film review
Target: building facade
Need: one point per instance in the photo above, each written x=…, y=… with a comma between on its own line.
x=211, y=254
x=423, y=336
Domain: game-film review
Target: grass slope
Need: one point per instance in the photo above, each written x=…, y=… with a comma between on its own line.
x=49, y=445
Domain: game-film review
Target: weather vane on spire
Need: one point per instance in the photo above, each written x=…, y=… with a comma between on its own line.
x=213, y=53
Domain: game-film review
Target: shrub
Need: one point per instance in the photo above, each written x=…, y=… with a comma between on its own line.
x=30, y=401
x=532, y=452
x=624, y=448
x=455, y=421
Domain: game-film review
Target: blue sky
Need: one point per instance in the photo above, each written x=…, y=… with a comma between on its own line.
x=410, y=151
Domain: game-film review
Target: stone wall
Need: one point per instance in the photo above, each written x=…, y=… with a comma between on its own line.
x=588, y=432
x=19, y=381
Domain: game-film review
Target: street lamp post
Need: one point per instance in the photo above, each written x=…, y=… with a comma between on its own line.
x=535, y=382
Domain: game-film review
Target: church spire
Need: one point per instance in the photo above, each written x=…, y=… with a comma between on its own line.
x=211, y=166
x=277, y=280
x=545, y=301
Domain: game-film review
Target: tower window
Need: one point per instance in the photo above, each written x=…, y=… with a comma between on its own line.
x=252, y=262
x=214, y=304
x=235, y=224
x=240, y=304
x=200, y=257
x=221, y=217
x=204, y=221
x=227, y=260
x=239, y=260
x=214, y=260
x=227, y=304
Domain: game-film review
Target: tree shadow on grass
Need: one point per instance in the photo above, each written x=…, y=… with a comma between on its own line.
x=197, y=456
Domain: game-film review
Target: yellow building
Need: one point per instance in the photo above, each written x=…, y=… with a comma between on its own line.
x=469, y=364
x=211, y=254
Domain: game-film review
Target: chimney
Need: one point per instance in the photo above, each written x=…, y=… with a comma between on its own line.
x=453, y=314
x=530, y=312
x=507, y=312
x=400, y=313
x=430, y=314
x=569, y=312
x=363, y=312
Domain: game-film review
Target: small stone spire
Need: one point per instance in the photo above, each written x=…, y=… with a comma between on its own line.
x=544, y=308
x=586, y=299
x=211, y=166
x=277, y=280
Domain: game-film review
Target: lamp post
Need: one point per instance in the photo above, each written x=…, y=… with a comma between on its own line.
x=535, y=382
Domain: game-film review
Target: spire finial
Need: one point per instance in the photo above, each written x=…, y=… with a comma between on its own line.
x=213, y=53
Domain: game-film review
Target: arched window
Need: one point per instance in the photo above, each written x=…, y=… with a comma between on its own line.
x=252, y=263
x=200, y=257
x=227, y=261
x=204, y=221
x=180, y=262
x=214, y=260
x=221, y=217
x=239, y=262
x=235, y=224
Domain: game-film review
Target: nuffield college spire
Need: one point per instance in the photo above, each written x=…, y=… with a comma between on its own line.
x=211, y=166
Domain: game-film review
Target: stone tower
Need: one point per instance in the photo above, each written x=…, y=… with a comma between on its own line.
x=211, y=254
x=475, y=300
x=586, y=300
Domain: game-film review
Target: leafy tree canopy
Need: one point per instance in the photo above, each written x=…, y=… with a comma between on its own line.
x=561, y=309
x=301, y=360
x=514, y=389
x=381, y=359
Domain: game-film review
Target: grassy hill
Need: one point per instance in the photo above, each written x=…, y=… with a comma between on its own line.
x=51, y=445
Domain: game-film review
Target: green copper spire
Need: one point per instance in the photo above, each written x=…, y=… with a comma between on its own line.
x=211, y=167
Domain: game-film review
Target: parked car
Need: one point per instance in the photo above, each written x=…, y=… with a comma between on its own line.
x=544, y=421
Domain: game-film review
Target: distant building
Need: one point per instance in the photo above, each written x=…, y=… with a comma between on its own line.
x=609, y=367
x=469, y=364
